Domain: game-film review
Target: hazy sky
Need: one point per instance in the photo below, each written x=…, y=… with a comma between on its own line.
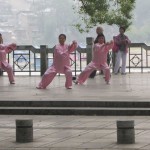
x=139, y=31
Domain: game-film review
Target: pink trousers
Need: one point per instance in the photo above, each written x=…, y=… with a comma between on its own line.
x=51, y=73
x=9, y=71
x=89, y=69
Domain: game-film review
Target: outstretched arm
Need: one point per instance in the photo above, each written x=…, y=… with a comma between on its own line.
x=109, y=45
x=11, y=47
x=2, y=46
x=73, y=46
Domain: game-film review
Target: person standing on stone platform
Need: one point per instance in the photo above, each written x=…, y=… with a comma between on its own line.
x=99, y=30
x=122, y=42
x=4, y=65
x=61, y=63
x=1, y=42
x=1, y=39
x=99, y=61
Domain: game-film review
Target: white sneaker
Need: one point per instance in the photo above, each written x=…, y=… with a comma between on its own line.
x=69, y=87
x=38, y=87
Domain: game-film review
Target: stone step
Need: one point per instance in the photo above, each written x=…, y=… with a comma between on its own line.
x=111, y=108
x=105, y=111
x=92, y=103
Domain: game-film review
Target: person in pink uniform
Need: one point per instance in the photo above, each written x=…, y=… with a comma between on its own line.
x=99, y=61
x=4, y=65
x=61, y=64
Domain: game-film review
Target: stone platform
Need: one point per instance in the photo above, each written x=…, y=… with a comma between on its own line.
x=130, y=87
x=126, y=95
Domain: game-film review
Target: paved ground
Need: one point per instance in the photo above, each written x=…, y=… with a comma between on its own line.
x=133, y=86
x=76, y=132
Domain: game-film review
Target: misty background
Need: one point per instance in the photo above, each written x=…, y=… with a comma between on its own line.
x=39, y=22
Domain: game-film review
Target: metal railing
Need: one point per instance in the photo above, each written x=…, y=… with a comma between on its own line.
x=28, y=60
x=138, y=58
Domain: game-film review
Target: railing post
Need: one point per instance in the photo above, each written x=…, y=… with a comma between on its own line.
x=89, y=48
x=1, y=72
x=44, y=61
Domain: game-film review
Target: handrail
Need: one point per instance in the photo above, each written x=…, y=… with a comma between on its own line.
x=143, y=45
x=37, y=59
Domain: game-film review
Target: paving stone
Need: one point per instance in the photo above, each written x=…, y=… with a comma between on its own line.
x=73, y=137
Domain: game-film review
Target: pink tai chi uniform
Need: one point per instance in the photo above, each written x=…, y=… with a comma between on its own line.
x=61, y=64
x=4, y=49
x=99, y=62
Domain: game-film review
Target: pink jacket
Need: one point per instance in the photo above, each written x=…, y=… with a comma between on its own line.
x=4, y=49
x=62, y=56
x=100, y=53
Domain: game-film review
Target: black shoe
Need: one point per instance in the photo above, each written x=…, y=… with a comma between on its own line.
x=93, y=74
x=74, y=78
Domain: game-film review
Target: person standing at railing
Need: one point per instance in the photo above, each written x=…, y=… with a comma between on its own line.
x=61, y=64
x=4, y=49
x=1, y=42
x=1, y=39
x=121, y=42
x=99, y=30
x=99, y=61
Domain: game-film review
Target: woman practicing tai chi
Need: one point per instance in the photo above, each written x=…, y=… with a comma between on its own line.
x=99, y=61
x=4, y=65
x=61, y=63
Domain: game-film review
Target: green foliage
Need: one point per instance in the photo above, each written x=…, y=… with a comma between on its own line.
x=93, y=12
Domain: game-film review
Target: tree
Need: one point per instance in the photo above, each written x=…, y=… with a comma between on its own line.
x=93, y=12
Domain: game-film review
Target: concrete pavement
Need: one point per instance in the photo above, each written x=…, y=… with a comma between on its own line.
x=74, y=133
x=135, y=87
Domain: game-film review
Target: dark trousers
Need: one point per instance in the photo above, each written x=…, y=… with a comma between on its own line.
x=1, y=72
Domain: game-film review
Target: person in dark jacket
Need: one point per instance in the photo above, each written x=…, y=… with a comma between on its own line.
x=1, y=39
x=1, y=42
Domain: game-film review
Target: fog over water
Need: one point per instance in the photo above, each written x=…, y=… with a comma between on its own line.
x=39, y=22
